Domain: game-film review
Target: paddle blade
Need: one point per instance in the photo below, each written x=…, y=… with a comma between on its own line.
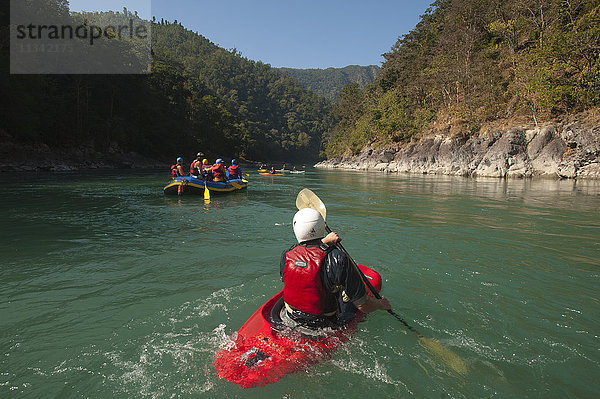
x=206, y=193
x=308, y=199
x=450, y=359
x=236, y=185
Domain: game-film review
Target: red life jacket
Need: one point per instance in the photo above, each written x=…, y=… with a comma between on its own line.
x=234, y=171
x=192, y=167
x=175, y=171
x=303, y=289
x=217, y=171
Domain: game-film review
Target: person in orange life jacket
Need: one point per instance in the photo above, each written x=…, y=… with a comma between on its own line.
x=234, y=171
x=196, y=165
x=206, y=170
x=321, y=287
x=177, y=169
x=218, y=170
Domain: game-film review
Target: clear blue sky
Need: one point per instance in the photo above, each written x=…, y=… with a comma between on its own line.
x=297, y=34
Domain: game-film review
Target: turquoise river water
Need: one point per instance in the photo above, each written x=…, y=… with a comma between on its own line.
x=110, y=289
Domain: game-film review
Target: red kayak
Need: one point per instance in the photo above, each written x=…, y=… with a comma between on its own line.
x=266, y=348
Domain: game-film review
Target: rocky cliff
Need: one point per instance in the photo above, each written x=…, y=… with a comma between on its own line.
x=567, y=149
x=38, y=157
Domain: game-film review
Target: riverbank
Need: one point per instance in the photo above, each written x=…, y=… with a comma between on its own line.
x=562, y=149
x=39, y=157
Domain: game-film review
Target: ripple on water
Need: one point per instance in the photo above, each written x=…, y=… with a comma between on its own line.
x=109, y=287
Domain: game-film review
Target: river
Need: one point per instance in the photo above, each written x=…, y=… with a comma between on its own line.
x=109, y=289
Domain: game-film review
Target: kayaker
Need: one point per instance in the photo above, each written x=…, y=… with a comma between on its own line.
x=321, y=287
x=218, y=170
x=195, y=166
x=235, y=172
x=272, y=171
x=177, y=169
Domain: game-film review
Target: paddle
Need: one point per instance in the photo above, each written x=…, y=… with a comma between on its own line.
x=236, y=185
x=307, y=199
x=206, y=192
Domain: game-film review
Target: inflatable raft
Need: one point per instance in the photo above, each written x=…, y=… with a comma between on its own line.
x=193, y=185
x=267, y=347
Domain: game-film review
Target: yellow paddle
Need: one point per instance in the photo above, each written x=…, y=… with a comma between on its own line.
x=206, y=192
x=236, y=185
x=307, y=199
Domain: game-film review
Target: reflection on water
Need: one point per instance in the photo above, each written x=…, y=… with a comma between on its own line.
x=425, y=185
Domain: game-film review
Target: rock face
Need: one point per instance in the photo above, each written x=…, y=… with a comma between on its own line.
x=566, y=150
x=36, y=157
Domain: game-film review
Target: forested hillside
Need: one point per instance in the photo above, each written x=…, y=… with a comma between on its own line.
x=468, y=62
x=329, y=82
x=198, y=97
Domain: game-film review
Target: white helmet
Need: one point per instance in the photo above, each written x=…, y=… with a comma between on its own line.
x=308, y=224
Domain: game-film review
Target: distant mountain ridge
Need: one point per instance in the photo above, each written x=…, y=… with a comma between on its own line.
x=329, y=82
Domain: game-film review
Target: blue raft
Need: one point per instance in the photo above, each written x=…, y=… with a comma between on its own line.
x=193, y=185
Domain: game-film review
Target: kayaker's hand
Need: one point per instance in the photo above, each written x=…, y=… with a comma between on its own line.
x=372, y=304
x=384, y=304
x=331, y=238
